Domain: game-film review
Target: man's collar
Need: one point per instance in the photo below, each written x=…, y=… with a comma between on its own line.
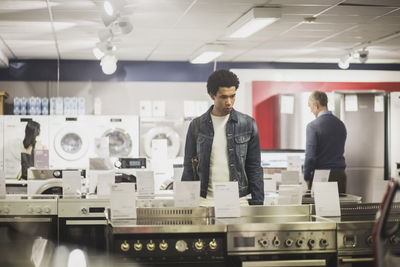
x=324, y=112
x=233, y=115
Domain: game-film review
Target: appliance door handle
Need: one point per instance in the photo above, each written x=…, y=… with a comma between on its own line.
x=25, y=220
x=86, y=222
x=352, y=260
x=284, y=263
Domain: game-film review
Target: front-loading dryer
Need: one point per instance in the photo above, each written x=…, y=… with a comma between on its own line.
x=174, y=131
x=14, y=133
x=122, y=131
x=71, y=142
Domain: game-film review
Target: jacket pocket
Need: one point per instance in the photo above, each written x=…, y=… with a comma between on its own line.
x=241, y=143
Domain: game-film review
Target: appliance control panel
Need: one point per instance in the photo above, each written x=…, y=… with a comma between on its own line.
x=25, y=207
x=170, y=247
x=281, y=240
x=82, y=208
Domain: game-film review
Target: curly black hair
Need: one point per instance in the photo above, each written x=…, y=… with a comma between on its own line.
x=221, y=78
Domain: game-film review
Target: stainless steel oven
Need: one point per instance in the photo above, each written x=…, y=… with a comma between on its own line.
x=354, y=234
x=28, y=229
x=281, y=236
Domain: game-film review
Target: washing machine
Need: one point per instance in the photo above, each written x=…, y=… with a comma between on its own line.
x=70, y=142
x=122, y=131
x=172, y=130
x=14, y=132
x=1, y=143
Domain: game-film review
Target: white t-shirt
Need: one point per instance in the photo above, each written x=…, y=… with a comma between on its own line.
x=219, y=166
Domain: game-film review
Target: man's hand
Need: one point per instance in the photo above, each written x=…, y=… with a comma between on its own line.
x=308, y=183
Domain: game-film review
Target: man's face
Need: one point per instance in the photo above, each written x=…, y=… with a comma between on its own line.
x=313, y=107
x=223, y=101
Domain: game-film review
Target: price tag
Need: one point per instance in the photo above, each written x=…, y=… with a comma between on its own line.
x=2, y=185
x=123, y=201
x=226, y=196
x=320, y=176
x=290, y=177
x=326, y=197
x=41, y=159
x=104, y=183
x=71, y=183
x=145, y=184
x=290, y=195
x=187, y=194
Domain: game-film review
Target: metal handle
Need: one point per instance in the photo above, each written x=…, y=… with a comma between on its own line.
x=86, y=222
x=26, y=220
x=350, y=260
x=284, y=263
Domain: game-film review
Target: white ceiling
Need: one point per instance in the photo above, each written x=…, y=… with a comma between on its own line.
x=171, y=30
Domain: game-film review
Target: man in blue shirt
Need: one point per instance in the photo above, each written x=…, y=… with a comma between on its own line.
x=325, y=141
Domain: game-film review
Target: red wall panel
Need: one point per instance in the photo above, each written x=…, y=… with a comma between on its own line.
x=264, y=103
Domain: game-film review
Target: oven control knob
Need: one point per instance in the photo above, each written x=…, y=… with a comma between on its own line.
x=125, y=246
x=213, y=244
x=299, y=242
x=84, y=211
x=199, y=244
x=137, y=246
x=47, y=210
x=323, y=243
x=150, y=246
x=289, y=242
x=311, y=243
x=369, y=240
x=38, y=210
x=394, y=240
x=163, y=245
x=263, y=242
x=6, y=210
x=276, y=242
x=181, y=246
x=30, y=210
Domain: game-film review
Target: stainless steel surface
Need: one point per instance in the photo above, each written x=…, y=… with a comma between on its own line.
x=82, y=208
x=292, y=125
x=365, y=145
x=394, y=133
x=263, y=211
x=343, y=198
x=172, y=212
x=355, y=260
x=284, y=263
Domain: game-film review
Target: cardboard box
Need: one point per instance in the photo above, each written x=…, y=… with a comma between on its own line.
x=3, y=96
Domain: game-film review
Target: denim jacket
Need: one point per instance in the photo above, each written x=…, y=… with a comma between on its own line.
x=244, y=156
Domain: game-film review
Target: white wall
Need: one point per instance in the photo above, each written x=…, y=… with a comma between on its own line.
x=116, y=97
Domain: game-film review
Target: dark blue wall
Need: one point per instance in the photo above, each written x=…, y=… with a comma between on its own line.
x=78, y=70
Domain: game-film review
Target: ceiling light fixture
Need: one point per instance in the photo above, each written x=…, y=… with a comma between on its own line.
x=254, y=20
x=108, y=64
x=207, y=53
x=112, y=7
x=363, y=55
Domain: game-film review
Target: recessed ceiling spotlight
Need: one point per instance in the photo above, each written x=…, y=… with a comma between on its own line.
x=363, y=55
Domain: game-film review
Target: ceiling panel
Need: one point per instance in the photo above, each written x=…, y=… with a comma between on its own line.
x=174, y=29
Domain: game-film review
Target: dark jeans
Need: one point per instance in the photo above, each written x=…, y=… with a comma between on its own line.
x=340, y=177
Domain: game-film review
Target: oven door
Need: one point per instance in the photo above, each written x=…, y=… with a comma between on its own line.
x=86, y=234
x=282, y=259
x=19, y=235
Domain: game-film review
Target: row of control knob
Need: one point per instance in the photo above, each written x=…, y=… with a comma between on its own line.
x=289, y=242
x=180, y=245
x=30, y=210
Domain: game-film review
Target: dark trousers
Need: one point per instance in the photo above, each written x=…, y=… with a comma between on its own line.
x=340, y=177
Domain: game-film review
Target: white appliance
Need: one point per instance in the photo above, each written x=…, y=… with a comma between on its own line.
x=122, y=131
x=172, y=130
x=1, y=143
x=14, y=132
x=70, y=142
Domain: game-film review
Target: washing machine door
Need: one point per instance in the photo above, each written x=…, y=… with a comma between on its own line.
x=71, y=143
x=120, y=142
x=163, y=132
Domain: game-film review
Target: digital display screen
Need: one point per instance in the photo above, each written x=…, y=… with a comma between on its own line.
x=134, y=163
x=244, y=241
